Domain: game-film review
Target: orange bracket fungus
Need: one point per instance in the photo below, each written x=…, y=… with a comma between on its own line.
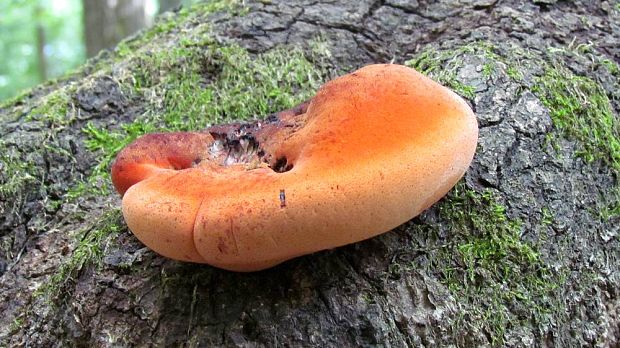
x=371, y=150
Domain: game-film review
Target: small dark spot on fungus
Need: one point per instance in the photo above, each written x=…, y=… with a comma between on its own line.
x=221, y=246
x=282, y=199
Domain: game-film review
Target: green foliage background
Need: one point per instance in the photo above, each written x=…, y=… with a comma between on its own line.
x=64, y=35
x=64, y=49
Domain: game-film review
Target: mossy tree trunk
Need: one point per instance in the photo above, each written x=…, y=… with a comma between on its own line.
x=524, y=251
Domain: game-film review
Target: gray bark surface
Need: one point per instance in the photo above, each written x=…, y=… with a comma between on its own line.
x=387, y=291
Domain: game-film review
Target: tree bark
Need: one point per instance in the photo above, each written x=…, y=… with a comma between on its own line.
x=524, y=252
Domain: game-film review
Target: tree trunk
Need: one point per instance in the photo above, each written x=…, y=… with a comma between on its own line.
x=130, y=17
x=525, y=251
x=41, y=58
x=107, y=22
x=167, y=5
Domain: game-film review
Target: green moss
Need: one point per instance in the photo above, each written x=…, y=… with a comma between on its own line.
x=514, y=73
x=169, y=81
x=612, y=66
x=250, y=86
x=163, y=26
x=56, y=108
x=609, y=208
x=12, y=101
x=186, y=88
x=547, y=216
x=578, y=104
x=90, y=248
x=581, y=110
x=109, y=143
x=168, y=22
x=442, y=66
x=488, y=268
x=235, y=7
x=182, y=94
x=15, y=174
x=16, y=324
x=20, y=171
x=488, y=69
x=244, y=85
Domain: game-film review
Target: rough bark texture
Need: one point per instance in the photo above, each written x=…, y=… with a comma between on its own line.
x=525, y=252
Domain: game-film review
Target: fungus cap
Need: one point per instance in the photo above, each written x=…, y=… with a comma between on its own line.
x=370, y=151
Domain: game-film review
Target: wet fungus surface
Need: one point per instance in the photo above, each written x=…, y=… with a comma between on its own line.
x=370, y=151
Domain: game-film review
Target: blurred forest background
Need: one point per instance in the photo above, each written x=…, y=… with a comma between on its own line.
x=41, y=40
